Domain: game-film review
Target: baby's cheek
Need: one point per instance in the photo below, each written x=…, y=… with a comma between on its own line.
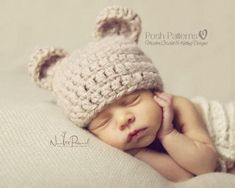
x=119, y=145
x=112, y=139
x=156, y=109
x=159, y=112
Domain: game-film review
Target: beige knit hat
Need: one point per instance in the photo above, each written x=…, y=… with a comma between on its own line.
x=87, y=80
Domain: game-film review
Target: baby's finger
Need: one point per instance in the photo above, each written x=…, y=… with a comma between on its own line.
x=165, y=96
x=161, y=95
x=160, y=101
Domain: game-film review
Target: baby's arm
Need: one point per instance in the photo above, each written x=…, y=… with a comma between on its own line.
x=192, y=149
x=164, y=164
x=193, y=155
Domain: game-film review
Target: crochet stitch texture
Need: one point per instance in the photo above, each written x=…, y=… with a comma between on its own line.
x=88, y=79
x=220, y=122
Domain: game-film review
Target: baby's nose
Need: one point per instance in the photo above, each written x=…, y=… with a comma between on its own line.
x=126, y=120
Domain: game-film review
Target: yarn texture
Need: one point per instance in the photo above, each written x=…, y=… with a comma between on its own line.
x=220, y=120
x=88, y=79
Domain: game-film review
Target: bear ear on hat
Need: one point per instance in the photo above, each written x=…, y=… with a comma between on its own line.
x=43, y=64
x=117, y=20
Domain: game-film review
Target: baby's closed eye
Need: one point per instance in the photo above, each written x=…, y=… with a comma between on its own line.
x=104, y=121
x=129, y=100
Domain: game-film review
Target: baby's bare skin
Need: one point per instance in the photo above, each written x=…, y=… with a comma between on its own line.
x=170, y=120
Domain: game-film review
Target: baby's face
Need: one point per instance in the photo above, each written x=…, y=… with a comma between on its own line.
x=135, y=111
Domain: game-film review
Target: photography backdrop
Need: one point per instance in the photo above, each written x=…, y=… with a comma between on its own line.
x=191, y=43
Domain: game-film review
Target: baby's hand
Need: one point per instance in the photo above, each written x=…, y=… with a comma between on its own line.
x=166, y=102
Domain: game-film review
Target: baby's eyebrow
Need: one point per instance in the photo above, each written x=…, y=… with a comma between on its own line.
x=125, y=97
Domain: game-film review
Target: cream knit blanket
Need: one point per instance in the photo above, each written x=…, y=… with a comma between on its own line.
x=220, y=121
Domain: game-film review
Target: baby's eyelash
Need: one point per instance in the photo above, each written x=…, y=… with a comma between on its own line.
x=102, y=123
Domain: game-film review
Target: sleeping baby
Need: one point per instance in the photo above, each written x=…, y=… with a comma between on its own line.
x=114, y=91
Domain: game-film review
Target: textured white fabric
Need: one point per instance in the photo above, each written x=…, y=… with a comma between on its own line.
x=220, y=121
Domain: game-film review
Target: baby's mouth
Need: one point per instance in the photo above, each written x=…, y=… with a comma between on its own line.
x=136, y=134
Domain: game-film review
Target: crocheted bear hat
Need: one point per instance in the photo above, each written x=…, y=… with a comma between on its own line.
x=88, y=79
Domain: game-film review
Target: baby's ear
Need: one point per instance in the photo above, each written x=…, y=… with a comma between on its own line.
x=43, y=64
x=118, y=21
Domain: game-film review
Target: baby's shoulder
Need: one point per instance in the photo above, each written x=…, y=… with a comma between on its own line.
x=180, y=105
x=186, y=113
x=181, y=101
